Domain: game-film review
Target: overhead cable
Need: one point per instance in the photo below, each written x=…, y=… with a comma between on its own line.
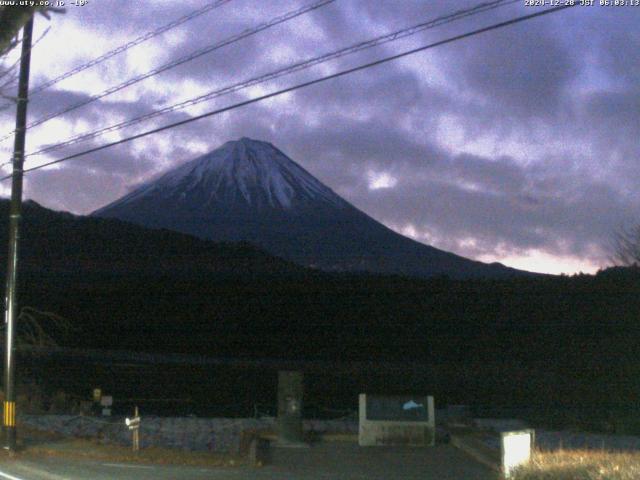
x=299, y=86
x=187, y=58
x=128, y=45
x=296, y=67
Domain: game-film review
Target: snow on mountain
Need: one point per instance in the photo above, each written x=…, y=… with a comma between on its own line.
x=261, y=174
x=248, y=190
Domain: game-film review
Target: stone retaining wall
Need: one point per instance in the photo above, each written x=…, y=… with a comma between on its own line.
x=194, y=434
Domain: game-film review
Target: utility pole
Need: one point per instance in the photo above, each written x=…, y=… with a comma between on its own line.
x=11, y=306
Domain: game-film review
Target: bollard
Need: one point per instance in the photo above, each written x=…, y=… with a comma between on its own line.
x=515, y=449
x=259, y=454
x=290, y=393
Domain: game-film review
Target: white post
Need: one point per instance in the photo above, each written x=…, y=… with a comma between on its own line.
x=136, y=433
x=432, y=417
x=515, y=449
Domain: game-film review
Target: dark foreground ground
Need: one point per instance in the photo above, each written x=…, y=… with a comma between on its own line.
x=339, y=460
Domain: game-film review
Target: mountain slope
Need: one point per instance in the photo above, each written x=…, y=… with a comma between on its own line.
x=64, y=243
x=250, y=191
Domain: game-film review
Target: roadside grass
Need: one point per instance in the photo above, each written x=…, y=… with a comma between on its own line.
x=34, y=443
x=580, y=465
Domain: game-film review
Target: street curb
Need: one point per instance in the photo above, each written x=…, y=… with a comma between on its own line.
x=475, y=448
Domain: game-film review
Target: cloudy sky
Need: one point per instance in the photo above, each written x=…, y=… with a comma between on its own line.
x=519, y=145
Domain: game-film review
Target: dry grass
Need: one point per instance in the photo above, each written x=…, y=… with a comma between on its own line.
x=581, y=465
x=86, y=449
x=38, y=444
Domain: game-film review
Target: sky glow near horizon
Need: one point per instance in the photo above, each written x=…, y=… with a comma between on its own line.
x=519, y=146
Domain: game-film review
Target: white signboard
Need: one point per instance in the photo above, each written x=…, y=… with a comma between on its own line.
x=396, y=420
x=132, y=423
x=516, y=449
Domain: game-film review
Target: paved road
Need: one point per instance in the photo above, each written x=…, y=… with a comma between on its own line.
x=339, y=461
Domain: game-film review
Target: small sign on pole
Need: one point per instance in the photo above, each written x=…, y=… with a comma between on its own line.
x=134, y=426
x=106, y=401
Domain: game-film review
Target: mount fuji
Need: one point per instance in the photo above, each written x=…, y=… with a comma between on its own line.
x=248, y=190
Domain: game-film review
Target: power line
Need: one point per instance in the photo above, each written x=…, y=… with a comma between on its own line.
x=303, y=85
x=296, y=67
x=187, y=58
x=13, y=66
x=123, y=48
x=22, y=57
x=132, y=43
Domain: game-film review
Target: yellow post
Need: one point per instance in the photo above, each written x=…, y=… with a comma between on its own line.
x=9, y=416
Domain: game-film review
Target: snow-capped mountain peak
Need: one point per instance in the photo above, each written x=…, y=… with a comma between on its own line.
x=249, y=191
x=248, y=171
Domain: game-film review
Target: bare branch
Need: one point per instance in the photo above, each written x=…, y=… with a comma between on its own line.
x=40, y=328
x=626, y=246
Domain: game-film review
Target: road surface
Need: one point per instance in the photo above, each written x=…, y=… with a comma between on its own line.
x=336, y=461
